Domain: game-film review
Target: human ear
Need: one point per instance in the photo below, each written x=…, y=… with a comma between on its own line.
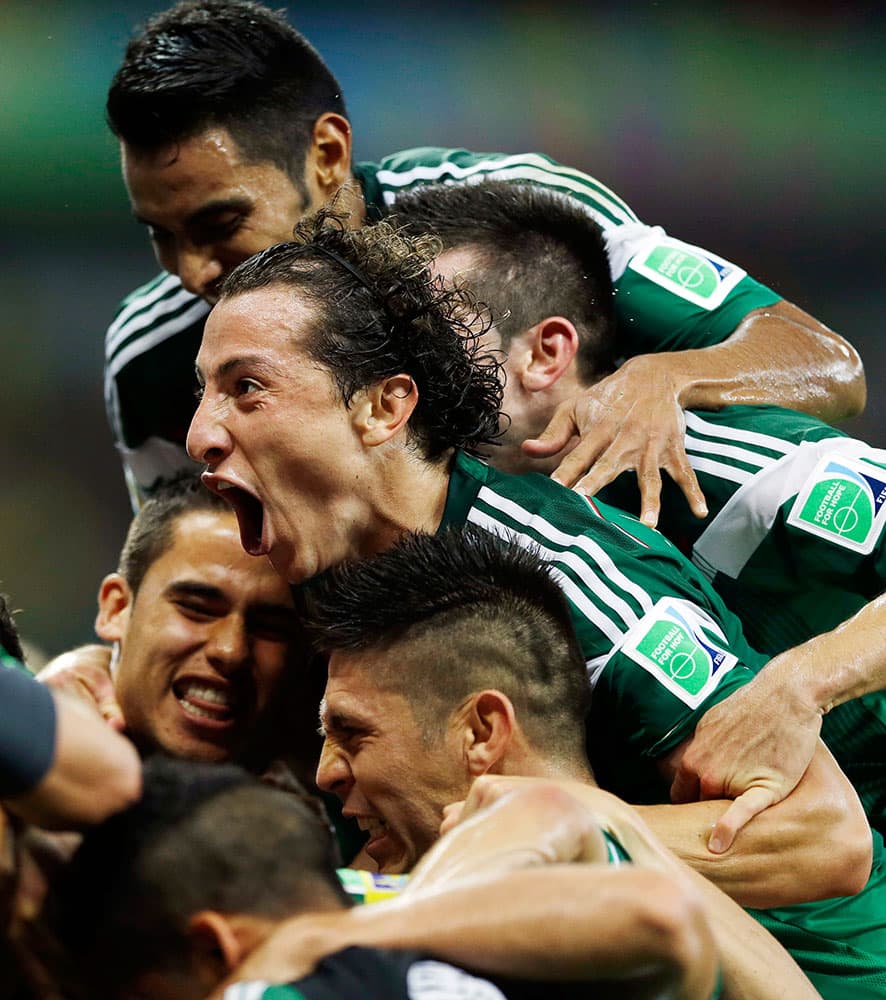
x=214, y=947
x=491, y=722
x=384, y=409
x=552, y=345
x=115, y=599
x=329, y=158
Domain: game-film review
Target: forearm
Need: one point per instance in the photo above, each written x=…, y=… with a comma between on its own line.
x=778, y=356
x=836, y=666
x=562, y=922
x=812, y=845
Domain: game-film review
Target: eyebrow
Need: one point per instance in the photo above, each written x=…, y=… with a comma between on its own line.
x=253, y=361
x=206, y=212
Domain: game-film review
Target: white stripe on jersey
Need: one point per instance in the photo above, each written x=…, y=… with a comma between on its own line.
x=156, y=336
x=150, y=317
x=720, y=469
x=138, y=300
x=740, y=436
x=572, y=591
x=530, y=167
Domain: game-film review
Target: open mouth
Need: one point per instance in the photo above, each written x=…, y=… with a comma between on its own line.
x=205, y=701
x=250, y=515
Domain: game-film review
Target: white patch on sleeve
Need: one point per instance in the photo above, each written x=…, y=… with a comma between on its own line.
x=679, y=644
x=429, y=980
x=694, y=274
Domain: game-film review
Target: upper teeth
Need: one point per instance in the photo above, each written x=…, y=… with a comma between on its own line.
x=206, y=693
x=225, y=486
x=371, y=824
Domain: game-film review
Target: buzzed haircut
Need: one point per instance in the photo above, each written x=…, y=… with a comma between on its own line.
x=151, y=531
x=378, y=313
x=223, y=63
x=10, y=643
x=202, y=837
x=537, y=253
x=464, y=611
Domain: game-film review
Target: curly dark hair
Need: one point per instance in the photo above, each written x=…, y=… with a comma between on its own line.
x=381, y=313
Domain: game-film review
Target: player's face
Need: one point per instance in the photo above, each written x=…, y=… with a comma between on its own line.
x=207, y=208
x=394, y=783
x=203, y=643
x=276, y=436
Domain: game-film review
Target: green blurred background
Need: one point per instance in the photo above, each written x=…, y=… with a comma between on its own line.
x=756, y=130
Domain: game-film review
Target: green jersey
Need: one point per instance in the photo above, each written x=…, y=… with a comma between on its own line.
x=669, y=296
x=794, y=543
x=661, y=649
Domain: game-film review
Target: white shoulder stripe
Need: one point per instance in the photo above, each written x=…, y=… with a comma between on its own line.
x=753, y=458
x=154, y=316
x=739, y=436
x=138, y=302
x=527, y=167
x=610, y=629
x=156, y=336
x=721, y=470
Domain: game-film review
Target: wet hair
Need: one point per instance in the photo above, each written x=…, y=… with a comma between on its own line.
x=537, y=254
x=378, y=312
x=223, y=63
x=202, y=837
x=459, y=612
x=151, y=532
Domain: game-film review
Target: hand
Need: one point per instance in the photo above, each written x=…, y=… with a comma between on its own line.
x=754, y=747
x=85, y=672
x=633, y=419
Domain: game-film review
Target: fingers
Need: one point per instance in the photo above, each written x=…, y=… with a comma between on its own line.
x=559, y=432
x=741, y=812
x=682, y=473
x=452, y=816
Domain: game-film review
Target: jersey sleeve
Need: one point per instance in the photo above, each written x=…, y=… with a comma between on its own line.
x=27, y=732
x=669, y=295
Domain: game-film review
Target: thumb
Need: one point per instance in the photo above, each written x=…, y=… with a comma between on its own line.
x=559, y=432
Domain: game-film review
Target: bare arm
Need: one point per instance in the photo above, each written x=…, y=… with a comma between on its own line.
x=769, y=728
x=95, y=772
x=814, y=844
x=634, y=418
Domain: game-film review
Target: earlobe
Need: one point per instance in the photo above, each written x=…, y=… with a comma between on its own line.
x=330, y=156
x=553, y=344
x=384, y=409
x=115, y=599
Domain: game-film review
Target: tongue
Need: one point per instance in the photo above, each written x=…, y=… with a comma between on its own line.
x=250, y=518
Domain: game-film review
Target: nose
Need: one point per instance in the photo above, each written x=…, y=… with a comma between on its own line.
x=227, y=645
x=333, y=772
x=207, y=439
x=200, y=271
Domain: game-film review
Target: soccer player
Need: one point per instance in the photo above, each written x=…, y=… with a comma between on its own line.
x=231, y=128
x=147, y=913
x=452, y=657
x=206, y=659
x=794, y=540
x=341, y=387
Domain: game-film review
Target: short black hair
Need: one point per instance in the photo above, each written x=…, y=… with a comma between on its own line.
x=227, y=63
x=538, y=254
x=379, y=312
x=202, y=836
x=151, y=531
x=464, y=610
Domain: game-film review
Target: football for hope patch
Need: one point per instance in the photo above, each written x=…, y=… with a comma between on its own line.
x=844, y=501
x=690, y=272
x=679, y=644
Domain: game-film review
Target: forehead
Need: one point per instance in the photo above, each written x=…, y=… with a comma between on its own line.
x=354, y=689
x=274, y=324
x=183, y=176
x=205, y=548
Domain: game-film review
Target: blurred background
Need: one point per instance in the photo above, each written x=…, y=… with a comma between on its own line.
x=755, y=130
